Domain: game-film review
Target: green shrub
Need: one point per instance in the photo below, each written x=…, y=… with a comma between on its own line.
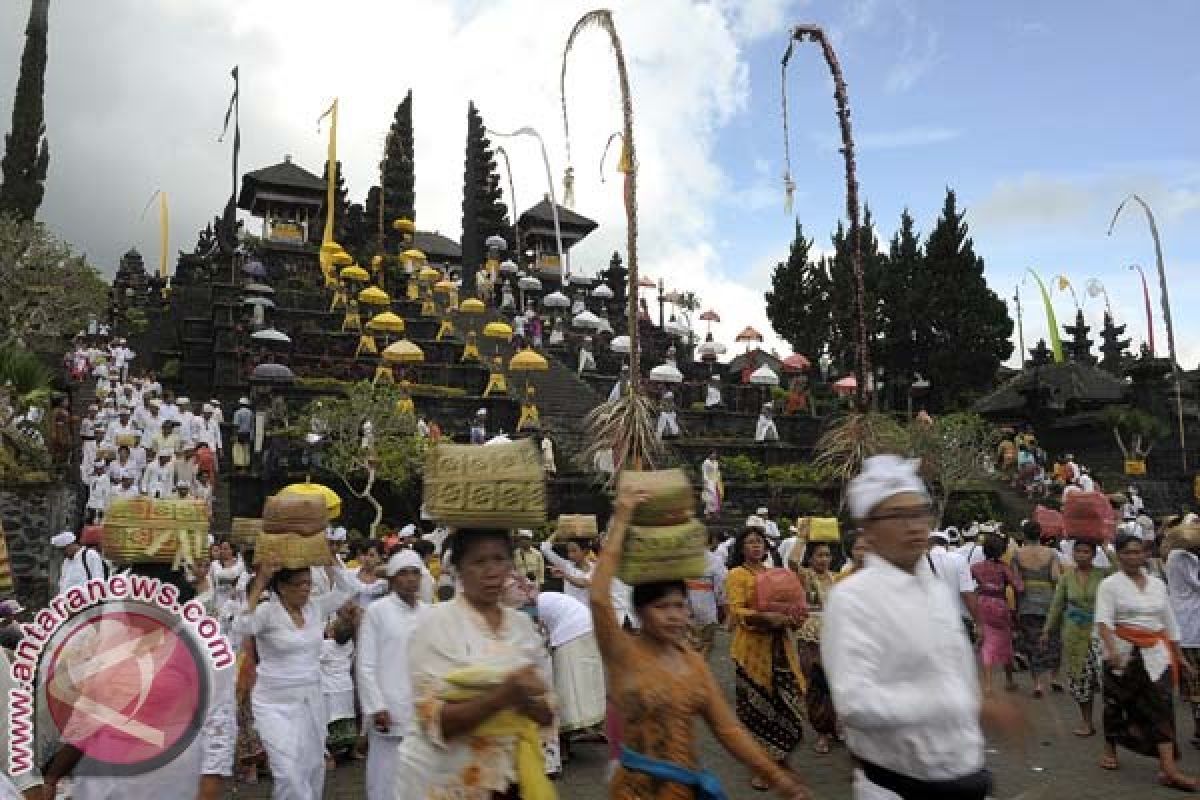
x=170, y=371
x=967, y=507
x=741, y=469
x=798, y=475
x=807, y=504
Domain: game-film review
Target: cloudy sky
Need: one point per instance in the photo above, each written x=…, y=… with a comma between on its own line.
x=1042, y=116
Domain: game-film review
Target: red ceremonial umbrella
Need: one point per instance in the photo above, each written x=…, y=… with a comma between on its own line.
x=748, y=335
x=796, y=362
x=845, y=386
x=710, y=317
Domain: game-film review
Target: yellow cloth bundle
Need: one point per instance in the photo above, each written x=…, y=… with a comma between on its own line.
x=470, y=682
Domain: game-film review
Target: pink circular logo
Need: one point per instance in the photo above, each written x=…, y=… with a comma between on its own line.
x=125, y=688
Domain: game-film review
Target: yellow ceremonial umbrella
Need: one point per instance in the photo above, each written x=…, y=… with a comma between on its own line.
x=354, y=273
x=500, y=331
x=333, y=503
x=428, y=275
x=374, y=296
x=413, y=254
x=472, y=305
x=404, y=225
x=403, y=352
x=387, y=322
x=528, y=361
x=444, y=286
x=342, y=259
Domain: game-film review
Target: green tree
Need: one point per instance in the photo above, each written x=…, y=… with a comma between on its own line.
x=355, y=234
x=398, y=171
x=843, y=334
x=26, y=153
x=1134, y=430
x=483, y=212
x=341, y=207
x=966, y=327
x=371, y=212
x=365, y=441
x=798, y=301
x=955, y=452
x=901, y=287
x=46, y=290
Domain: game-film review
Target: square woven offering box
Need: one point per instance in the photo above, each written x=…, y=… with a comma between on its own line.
x=138, y=530
x=493, y=486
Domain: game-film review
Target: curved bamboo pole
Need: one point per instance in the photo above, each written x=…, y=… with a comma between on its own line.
x=512, y=198
x=1166, y=308
x=814, y=33
x=638, y=452
x=527, y=131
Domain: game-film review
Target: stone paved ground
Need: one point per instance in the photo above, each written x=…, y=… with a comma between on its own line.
x=1051, y=764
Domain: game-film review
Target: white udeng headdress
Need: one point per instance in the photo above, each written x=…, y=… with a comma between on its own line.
x=883, y=477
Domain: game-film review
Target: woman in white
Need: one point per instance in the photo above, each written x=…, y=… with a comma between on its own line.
x=1139, y=637
x=668, y=422
x=289, y=711
x=443, y=757
x=575, y=569
x=578, y=670
x=337, y=683
x=219, y=734
x=710, y=472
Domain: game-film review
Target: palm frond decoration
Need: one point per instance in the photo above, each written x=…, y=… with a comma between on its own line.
x=624, y=425
x=855, y=437
x=627, y=427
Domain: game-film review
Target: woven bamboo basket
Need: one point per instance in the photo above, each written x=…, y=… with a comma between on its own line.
x=665, y=541
x=496, y=486
x=577, y=526
x=245, y=531
x=138, y=530
x=672, y=500
x=292, y=528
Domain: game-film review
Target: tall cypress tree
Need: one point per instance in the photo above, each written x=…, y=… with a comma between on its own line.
x=902, y=290
x=341, y=207
x=398, y=169
x=26, y=153
x=798, y=302
x=372, y=220
x=843, y=314
x=966, y=328
x=483, y=212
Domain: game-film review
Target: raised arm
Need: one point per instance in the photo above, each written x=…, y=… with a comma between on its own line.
x=612, y=640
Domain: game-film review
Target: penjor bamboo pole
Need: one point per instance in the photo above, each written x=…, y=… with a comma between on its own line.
x=800, y=33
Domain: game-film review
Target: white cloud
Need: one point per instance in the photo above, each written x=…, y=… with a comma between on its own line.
x=141, y=110
x=914, y=136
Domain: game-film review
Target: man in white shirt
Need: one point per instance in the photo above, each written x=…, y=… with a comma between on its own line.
x=771, y=528
x=1183, y=588
x=80, y=564
x=208, y=431
x=952, y=568
x=384, y=689
x=158, y=479
x=1085, y=480
x=900, y=667
x=99, y=486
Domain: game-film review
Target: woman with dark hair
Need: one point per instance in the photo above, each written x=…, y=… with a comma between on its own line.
x=769, y=682
x=992, y=579
x=660, y=685
x=1140, y=640
x=1073, y=610
x=1039, y=569
x=817, y=573
x=289, y=711
x=856, y=546
x=478, y=695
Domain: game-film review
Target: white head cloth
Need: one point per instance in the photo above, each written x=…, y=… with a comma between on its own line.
x=336, y=534
x=408, y=530
x=883, y=477
x=62, y=539
x=404, y=559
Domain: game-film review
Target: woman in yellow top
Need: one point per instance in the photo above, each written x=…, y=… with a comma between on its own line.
x=769, y=689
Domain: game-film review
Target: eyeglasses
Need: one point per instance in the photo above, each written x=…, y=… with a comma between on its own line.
x=904, y=514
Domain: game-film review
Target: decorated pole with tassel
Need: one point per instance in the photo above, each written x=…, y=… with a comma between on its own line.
x=1051, y=320
x=512, y=198
x=327, y=243
x=1166, y=308
x=814, y=33
x=164, y=228
x=627, y=426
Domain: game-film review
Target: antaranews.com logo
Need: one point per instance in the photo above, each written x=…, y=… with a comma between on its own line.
x=124, y=670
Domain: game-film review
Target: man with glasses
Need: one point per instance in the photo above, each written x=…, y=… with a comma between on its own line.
x=900, y=666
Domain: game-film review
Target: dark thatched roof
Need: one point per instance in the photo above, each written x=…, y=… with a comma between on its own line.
x=540, y=218
x=438, y=248
x=1071, y=386
x=285, y=178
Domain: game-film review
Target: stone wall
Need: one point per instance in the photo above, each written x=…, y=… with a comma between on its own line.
x=31, y=515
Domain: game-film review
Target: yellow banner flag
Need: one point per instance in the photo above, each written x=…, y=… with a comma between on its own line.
x=331, y=184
